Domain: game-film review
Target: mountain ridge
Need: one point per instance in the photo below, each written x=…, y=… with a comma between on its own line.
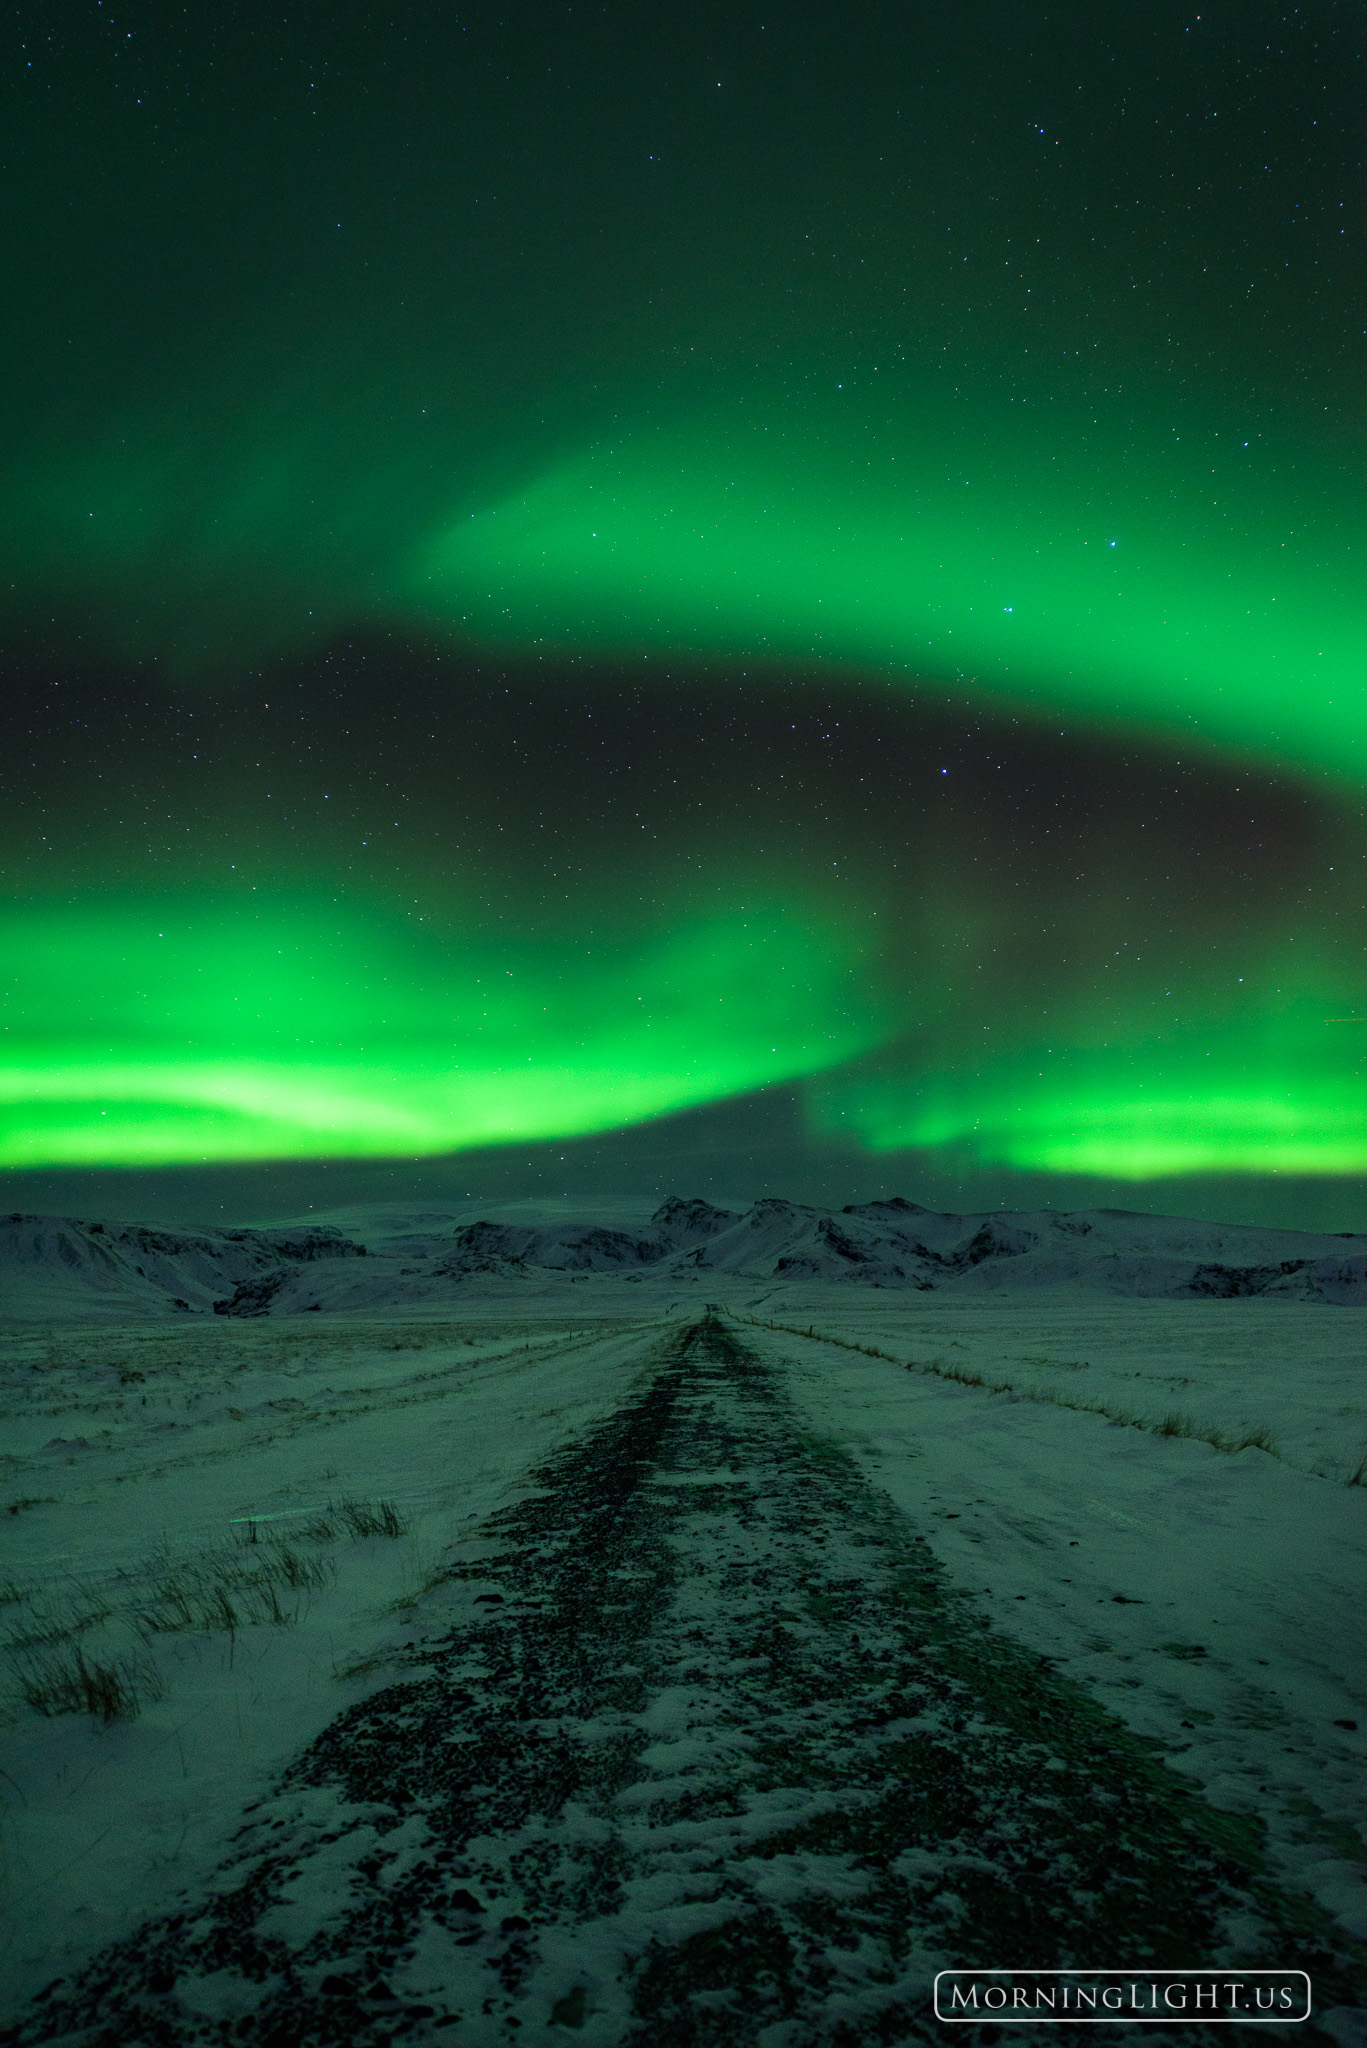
x=55, y=1265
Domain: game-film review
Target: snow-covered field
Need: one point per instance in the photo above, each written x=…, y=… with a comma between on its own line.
x=244, y=1523
x=246, y=1430
x=1214, y=1599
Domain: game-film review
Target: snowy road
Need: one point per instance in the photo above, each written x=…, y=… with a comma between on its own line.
x=705, y=1750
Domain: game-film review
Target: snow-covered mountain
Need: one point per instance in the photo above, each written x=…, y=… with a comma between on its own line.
x=53, y=1263
x=55, y=1266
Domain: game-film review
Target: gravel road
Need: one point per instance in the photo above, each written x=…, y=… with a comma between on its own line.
x=710, y=1754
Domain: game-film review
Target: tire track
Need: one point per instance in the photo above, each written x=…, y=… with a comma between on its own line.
x=716, y=1758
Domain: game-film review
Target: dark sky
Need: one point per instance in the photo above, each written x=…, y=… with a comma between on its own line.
x=776, y=592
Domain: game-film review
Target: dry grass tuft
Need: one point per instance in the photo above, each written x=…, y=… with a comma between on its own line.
x=222, y=1589
x=1260, y=1439
x=247, y=1580
x=370, y=1518
x=352, y=1517
x=72, y=1683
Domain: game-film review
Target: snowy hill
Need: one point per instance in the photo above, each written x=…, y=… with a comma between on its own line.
x=51, y=1265
x=58, y=1266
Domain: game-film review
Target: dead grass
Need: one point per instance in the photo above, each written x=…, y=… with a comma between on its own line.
x=230, y=1588
x=370, y=1518
x=1171, y=1425
x=69, y=1682
x=44, y=1621
x=245, y=1581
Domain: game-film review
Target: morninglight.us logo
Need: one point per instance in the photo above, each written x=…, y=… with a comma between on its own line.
x=1123, y=1997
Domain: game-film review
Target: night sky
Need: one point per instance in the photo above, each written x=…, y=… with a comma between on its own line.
x=797, y=571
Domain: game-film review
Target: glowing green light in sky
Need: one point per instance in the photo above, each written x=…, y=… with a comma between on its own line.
x=1293, y=1102
x=1126, y=562
x=1111, y=573
x=1191, y=585
x=147, y=1032
x=999, y=371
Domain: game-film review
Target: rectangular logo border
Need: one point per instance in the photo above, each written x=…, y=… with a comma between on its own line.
x=1000, y=2017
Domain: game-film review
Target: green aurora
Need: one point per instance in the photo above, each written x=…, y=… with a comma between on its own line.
x=1293, y=1103
x=986, y=369
x=1164, y=604
x=141, y=1033
x=1136, y=562
x=197, y=1027
x=1078, y=559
